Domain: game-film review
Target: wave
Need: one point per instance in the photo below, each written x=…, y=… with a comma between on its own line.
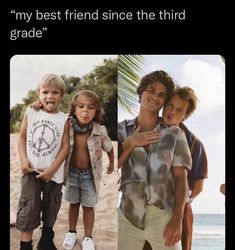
x=211, y=235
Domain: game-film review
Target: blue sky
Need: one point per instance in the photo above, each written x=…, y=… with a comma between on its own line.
x=206, y=75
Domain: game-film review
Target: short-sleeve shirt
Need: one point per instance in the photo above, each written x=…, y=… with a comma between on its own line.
x=147, y=176
x=96, y=143
x=199, y=158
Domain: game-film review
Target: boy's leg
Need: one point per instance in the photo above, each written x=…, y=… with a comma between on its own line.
x=50, y=207
x=187, y=228
x=73, y=216
x=129, y=236
x=71, y=236
x=51, y=202
x=28, y=216
x=26, y=240
x=26, y=236
x=88, y=201
x=72, y=195
x=88, y=220
x=155, y=224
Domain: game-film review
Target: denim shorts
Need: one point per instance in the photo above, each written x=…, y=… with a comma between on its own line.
x=80, y=187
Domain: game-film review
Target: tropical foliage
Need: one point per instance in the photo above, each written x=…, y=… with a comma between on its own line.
x=129, y=68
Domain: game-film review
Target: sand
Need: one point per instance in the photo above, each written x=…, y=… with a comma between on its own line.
x=105, y=228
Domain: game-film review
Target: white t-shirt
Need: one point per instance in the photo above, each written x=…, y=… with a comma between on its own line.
x=44, y=136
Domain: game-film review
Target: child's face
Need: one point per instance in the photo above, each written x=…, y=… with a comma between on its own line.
x=85, y=109
x=50, y=98
x=175, y=111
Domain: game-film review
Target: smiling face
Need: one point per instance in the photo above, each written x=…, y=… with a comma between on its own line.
x=154, y=97
x=175, y=111
x=85, y=109
x=50, y=97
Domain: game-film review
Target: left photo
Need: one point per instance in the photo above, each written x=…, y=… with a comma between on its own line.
x=63, y=152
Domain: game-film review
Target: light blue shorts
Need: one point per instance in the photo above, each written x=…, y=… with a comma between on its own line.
x=80, y=187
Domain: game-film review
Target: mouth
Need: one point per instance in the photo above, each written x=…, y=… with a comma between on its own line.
x=50, y=103
x=153, y=102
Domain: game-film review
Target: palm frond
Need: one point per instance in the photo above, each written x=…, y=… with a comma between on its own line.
x=129, y=67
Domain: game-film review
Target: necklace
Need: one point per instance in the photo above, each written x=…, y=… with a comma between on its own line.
x=80, y=129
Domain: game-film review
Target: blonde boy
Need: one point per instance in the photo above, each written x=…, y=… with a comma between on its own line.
x=43, y=145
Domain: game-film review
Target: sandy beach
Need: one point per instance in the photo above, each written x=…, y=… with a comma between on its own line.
x=105, y=228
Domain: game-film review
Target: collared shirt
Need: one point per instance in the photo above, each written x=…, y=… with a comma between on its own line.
x=96, y=142
x=147, y=177
x=199, y=158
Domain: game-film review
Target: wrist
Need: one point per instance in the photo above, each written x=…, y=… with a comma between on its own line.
x=23, y=159
x=189, y=200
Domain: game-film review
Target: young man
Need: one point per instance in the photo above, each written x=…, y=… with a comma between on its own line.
x=199, y=160
x=154, y=175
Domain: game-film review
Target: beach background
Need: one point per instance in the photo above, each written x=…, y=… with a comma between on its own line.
x=209, y=232
x=105, y=228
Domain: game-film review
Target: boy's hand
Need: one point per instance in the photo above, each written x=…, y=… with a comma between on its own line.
x=45, y=174
x=37, y=105
x=173, y=232
x=138, y=138
x=110, y=168
x=26, y=166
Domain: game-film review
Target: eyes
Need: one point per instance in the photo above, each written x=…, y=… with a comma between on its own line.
x=171, y=106
x=46, y=92
x=158, y=94
x=82, y=106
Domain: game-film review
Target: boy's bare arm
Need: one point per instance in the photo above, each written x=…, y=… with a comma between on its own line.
x=197, y=187
x=124, y=157
x=25, y=164
x=47, y=173
x=110, y=167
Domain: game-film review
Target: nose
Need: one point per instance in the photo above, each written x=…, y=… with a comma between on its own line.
x=50, y=94
x=172, y=112
x=85, y=108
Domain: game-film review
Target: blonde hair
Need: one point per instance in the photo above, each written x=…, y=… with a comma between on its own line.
x=52, y=80
x=95, y=98
x=187, y=94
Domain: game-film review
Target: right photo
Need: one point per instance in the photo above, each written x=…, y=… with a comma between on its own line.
x=171, y=152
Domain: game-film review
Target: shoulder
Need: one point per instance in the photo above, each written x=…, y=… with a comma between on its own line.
x=191, y=137
x=122, y=123
x=126, y=123
x=99, y=129
x=103, y=129
x=30, y=110
x=175, y=130
x=62, y=114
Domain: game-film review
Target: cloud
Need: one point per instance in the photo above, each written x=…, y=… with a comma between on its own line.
x=208, y=82
x=220, y=139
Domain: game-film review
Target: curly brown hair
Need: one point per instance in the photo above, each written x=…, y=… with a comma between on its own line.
x=94, y=97
x=154, y=77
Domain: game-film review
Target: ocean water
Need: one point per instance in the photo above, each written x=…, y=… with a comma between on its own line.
x=208, y=232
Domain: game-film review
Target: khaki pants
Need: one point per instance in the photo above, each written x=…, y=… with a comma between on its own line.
x=133, y=238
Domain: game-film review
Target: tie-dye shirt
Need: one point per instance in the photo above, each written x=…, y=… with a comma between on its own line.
x=147, y=177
